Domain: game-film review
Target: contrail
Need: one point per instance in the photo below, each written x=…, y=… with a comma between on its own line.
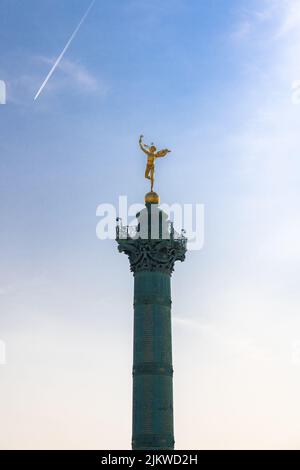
x=64, y=51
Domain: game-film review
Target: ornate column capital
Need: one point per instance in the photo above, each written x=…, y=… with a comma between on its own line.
x=153, y=245
x=153, y=255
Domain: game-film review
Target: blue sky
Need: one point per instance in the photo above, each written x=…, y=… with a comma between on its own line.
x=212, y=80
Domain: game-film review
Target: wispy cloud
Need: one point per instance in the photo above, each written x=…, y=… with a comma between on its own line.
x=276, y=18
x=242, y=30
x=72, y=77
x=74, y=74
x=290, y=17
x=267, y=142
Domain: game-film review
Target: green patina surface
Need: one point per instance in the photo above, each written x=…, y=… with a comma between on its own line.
x=152, y=362
x=152, y=262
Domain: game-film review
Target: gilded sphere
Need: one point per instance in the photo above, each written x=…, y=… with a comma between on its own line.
x=152, y=198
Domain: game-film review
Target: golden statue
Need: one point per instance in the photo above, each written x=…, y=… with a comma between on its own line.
x=152, y=155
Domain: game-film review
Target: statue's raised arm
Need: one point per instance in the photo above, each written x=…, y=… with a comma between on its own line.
x=143, y=146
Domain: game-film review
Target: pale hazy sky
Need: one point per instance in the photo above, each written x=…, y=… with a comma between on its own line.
x=212, y=80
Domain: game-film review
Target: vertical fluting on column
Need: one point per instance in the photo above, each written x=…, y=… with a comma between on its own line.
x=152, y=426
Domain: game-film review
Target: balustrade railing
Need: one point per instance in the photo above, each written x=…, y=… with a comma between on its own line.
x=131, y=232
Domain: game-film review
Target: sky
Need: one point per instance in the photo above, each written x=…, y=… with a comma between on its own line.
x=217, y=82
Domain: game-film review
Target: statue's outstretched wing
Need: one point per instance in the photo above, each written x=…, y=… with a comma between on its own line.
x=162, y=153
